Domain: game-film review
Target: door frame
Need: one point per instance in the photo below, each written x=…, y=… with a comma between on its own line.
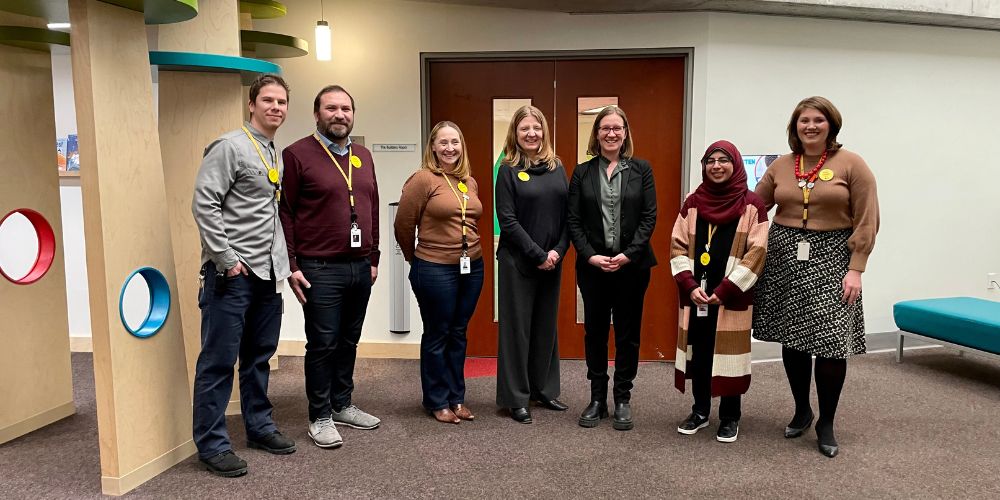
x=426, y=58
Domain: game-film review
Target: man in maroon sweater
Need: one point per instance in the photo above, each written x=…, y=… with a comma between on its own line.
x=329, y=213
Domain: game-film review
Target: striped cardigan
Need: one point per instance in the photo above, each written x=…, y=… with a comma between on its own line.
x=731, y=361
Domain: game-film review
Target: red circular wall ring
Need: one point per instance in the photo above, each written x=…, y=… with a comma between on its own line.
x=46, y=246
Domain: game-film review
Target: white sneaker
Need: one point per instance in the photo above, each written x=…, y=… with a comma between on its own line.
x=352, y=416
x=325, y=434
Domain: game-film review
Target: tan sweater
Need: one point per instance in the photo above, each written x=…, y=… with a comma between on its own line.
x=428, y=206
x=848, y=201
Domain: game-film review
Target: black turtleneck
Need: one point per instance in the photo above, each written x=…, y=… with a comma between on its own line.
x=532, y=212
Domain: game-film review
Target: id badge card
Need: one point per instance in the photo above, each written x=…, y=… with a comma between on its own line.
x=279, y=286
x=355, y=236
x=802, y=251
x=464, y=264
x=703, y=308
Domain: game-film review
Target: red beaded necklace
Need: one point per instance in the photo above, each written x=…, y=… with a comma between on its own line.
x=811, y=175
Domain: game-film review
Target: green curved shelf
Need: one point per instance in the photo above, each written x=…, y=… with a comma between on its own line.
x=263, y=9
x=155, y=11
x=39, y=39
x=212, y=63
x=273, y=45
x=160, y=11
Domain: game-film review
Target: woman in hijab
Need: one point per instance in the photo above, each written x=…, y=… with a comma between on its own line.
x=717, y=251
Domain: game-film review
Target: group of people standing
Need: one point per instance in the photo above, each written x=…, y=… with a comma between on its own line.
x=312, y=218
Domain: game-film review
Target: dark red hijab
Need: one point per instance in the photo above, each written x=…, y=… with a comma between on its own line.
x=725, y=202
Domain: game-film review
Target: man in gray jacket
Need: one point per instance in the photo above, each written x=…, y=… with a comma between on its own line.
x=244, y=263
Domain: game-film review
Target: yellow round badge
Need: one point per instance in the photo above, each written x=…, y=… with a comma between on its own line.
x=705, y=258
x=462, y=187
x=523, y=176
x=272, y=175
x=826, y=174
x=355, y=161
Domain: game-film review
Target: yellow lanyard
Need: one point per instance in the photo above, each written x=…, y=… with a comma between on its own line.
x=349, y=176
x=272, y=173
x=463, y=201
x=705, y=257
x=711, y=232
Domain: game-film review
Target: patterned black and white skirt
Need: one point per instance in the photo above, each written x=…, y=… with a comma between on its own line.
x=798, y=303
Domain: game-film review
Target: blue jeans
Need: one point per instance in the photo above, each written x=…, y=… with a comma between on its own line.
x=240, y=318
x=447, y=300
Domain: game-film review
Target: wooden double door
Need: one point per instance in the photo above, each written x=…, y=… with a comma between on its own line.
x=477, y=95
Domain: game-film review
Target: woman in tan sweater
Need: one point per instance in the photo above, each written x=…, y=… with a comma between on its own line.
x=441, y=201
x=809, y=298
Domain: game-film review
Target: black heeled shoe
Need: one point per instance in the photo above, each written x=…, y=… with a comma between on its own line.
x=826, y=441
x=793, y=431
x=520, y=415
x=552, y=404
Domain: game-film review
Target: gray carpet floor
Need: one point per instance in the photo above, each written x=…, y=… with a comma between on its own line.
x=923, y=429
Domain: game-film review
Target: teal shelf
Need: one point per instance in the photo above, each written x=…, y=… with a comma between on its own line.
x=39, y=39
x=212, y=63
x=155, y=11
x=263, y=9
x=273, y=45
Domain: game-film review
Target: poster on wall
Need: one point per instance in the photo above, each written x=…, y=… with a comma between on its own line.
x=755, y=166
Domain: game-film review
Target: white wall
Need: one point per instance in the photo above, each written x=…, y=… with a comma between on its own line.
x=918, y=104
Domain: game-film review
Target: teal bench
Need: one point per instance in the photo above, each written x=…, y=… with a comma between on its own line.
x=963, y=323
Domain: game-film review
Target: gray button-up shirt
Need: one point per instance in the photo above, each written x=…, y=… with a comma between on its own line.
x=236, y=209
x=611, y=202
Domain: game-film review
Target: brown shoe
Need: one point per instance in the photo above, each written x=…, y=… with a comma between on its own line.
x=446, y=415
x=463, y=412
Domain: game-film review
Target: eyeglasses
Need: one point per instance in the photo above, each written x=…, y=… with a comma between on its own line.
x=723, y=162
x=607, y=130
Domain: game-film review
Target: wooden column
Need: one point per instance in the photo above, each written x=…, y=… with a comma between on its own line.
x=143, y=400
x=195, y=108
x=35, y=376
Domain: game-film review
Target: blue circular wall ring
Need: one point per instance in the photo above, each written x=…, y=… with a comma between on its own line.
x=159, y=302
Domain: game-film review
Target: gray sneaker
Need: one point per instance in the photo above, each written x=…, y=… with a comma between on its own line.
x=352, y=416
x=325, y=434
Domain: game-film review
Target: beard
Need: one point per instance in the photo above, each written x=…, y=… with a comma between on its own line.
x=328, y=130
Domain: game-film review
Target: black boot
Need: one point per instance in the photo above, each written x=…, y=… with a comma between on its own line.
x=623, y=417
x=593, y=414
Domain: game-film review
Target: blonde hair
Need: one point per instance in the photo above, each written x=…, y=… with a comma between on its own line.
x=513, y=155
x=463, y=168
x=594, y=147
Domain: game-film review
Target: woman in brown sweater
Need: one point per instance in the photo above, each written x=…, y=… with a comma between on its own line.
x=809, y=298
x=441, y=201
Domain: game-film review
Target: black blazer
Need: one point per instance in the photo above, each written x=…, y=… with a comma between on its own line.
x=638, y=212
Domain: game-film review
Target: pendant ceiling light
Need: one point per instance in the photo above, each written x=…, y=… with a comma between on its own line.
x=323, y=49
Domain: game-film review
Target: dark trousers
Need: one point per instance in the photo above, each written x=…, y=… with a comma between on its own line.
x=701, y=336
x=334, y=312
x=240, y=318
x=447, y=300
x=528, y=348
x=619, y=294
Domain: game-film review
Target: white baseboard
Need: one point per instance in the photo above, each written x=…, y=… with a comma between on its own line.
x=391, y=350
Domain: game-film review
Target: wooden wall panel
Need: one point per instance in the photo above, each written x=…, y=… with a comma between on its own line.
x=195, y=108
x=143, y=400
x=35, y=375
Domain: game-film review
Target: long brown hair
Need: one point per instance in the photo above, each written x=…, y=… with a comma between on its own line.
x=462, y=169
x=594, y=146
x=513, y=155
x=829, y=111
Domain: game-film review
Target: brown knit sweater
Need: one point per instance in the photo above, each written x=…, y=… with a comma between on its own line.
x=848, y=201
x=429, y=206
